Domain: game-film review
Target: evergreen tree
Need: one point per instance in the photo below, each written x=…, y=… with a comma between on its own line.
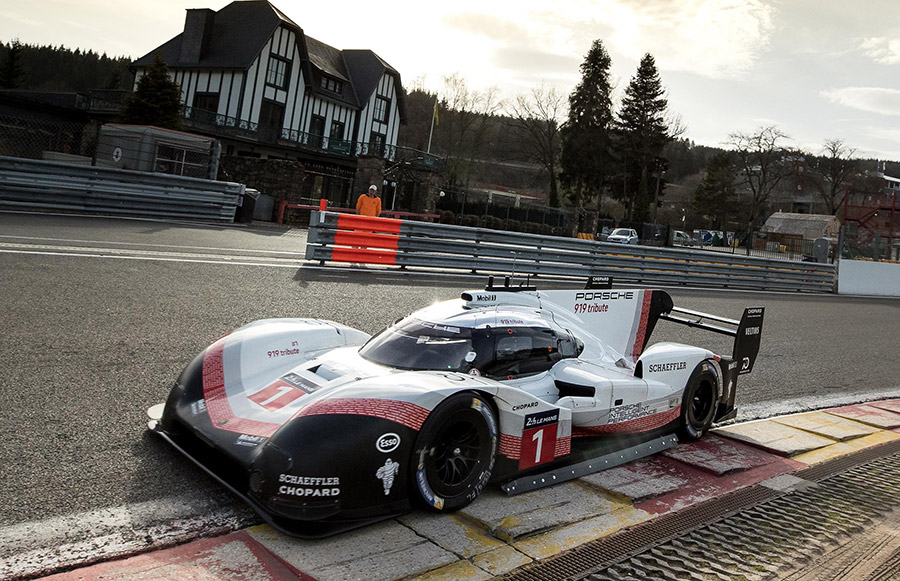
x=715, y=197
x=157, y=100
x=585, y=157
x=12, y=72
x=643, y=132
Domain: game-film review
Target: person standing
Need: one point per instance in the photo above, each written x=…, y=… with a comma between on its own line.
x=369, y=204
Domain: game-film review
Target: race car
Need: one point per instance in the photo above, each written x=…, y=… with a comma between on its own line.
x=321, y=428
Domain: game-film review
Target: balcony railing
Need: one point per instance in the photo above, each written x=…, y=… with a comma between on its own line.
x=217, y=124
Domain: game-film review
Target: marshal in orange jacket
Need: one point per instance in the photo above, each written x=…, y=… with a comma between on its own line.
x=368, y=205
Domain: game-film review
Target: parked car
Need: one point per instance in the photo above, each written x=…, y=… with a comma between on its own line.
x=623, y=236
x=682, y=238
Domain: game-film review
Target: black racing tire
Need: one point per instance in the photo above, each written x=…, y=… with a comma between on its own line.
x=454, y=453
x=698, y=404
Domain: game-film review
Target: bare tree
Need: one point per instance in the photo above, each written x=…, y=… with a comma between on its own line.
x=762, y=163
x=833, y=173
x=464, y=118
x=536, y=118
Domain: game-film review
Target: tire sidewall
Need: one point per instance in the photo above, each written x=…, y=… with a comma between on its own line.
x=693, y=428
x=424, y=491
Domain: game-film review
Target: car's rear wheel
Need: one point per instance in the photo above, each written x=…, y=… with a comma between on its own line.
x=698, y=404
x=455, y=452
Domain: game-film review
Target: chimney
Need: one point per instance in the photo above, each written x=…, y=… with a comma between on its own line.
x=197, y=30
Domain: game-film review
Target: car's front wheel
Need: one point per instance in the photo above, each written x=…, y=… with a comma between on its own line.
x=455, y=452
x=698, y=404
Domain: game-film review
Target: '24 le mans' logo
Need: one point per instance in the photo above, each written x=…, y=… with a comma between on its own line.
x=538, y=438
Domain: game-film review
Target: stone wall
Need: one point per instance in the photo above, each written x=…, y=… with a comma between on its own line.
x=369, y=170
x=279, y=178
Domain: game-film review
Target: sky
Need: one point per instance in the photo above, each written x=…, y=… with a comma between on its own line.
x=816, y=69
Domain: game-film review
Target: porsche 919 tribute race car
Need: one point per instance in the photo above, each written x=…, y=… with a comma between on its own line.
x=321, y=428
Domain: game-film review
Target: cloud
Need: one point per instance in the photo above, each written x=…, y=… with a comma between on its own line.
x=882, y=50
x=870, y=99
x=529, y=60
x=712, y=38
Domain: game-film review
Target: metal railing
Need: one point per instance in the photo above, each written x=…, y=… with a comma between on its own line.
x=31, y=184
x=407, y=244
x=223, y=125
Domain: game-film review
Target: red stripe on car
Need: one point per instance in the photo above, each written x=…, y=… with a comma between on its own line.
x=402, y=412
x=642, y=328
x=220, y=413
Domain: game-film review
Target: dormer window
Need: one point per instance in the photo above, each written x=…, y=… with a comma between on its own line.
x=331, y=84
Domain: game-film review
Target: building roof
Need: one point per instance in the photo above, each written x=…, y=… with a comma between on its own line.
x=810, y=226
x=241, y=30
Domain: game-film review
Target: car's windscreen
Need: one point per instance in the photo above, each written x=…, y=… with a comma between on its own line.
x=419, y=345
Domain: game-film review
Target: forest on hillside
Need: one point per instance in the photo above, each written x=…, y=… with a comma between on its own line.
x=58, y=68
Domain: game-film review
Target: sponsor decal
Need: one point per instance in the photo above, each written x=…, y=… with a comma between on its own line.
x=662, y=367
x=745, y=364
x=538, y=439
x=387, y=474
x=198, y=407
x=288, y=351
x=756, y=312
x=750, y=331
x=474, y=372
x=439, y=327
x=732, y=365
x=250, y=441
x=485, y=298
x=387, y=442
x=591, y=308
x=523, y=406
x=512, y=322
x=309, y=486
x=604, y=296
x=629, y=412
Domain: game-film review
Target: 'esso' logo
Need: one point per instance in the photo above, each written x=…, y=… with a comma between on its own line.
x=387, y=443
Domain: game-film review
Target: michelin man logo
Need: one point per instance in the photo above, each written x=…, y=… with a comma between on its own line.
x=387, y=473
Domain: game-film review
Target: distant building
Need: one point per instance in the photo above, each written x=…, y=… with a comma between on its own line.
x=253, y=79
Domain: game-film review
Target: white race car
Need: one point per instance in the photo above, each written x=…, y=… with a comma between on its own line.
x=321, y=428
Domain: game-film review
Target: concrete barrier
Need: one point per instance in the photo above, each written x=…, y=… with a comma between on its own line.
x=861, y=277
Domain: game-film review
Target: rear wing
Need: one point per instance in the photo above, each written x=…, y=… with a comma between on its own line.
x=747, y=334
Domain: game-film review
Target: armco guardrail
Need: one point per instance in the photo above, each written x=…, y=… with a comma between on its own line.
x=359, y=239
x=26, y=183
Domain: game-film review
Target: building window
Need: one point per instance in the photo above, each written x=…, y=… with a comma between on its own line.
x=204, y=108
x=336, y=141
x=376, y=144
x=382, y=106
x=278, y=72
x=333, y=85
x=337, y=130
